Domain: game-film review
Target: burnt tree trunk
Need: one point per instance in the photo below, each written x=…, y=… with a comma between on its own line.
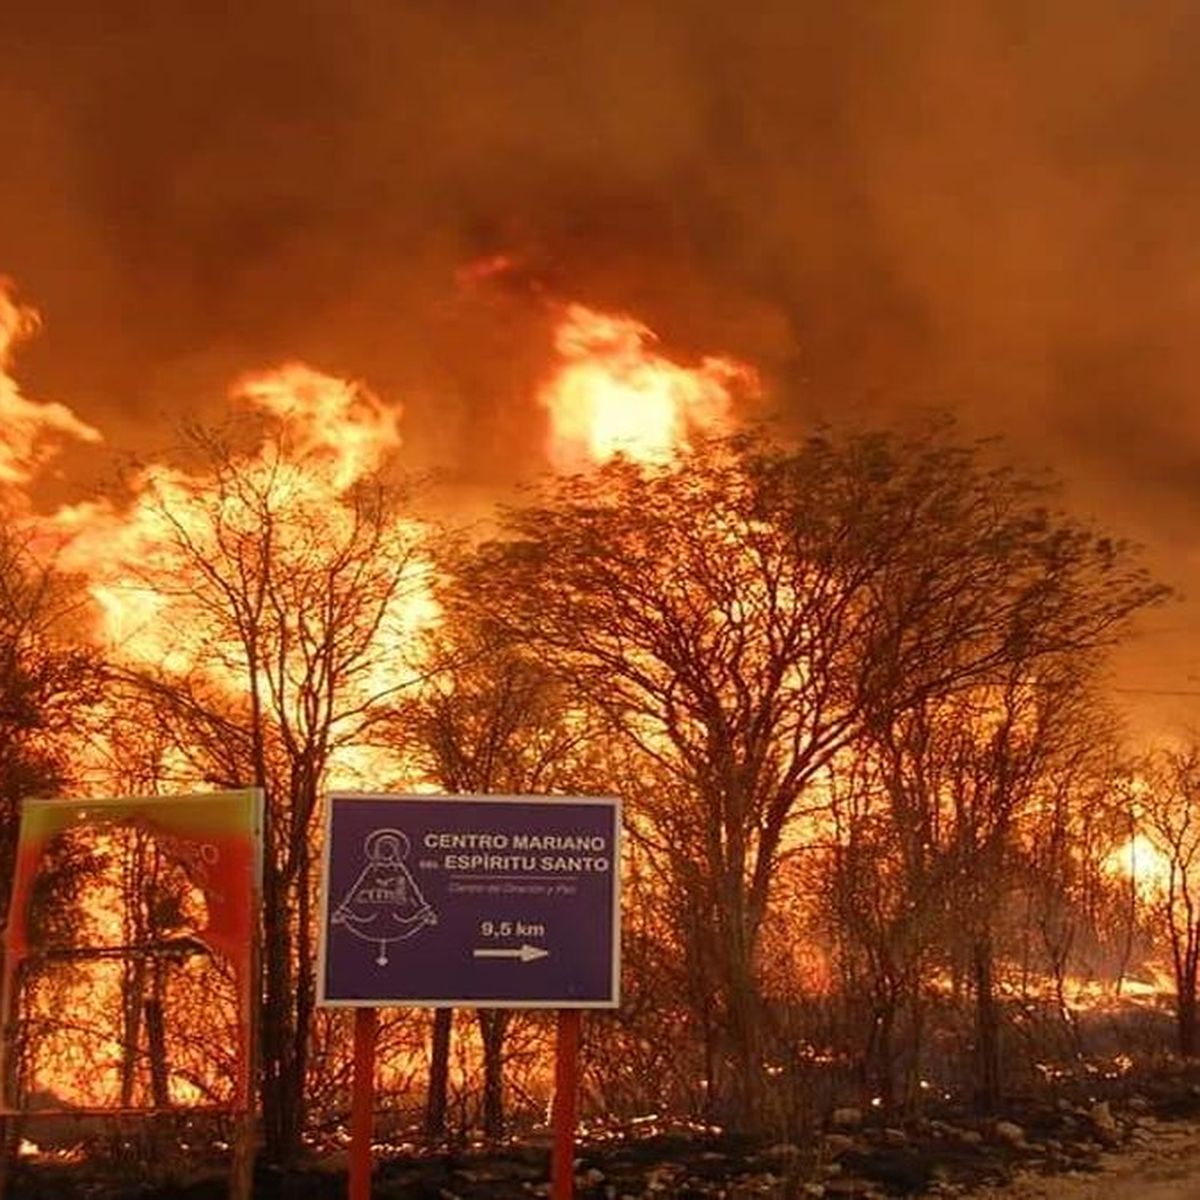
x=156, y=1038
x=439, y=1075
x=278, y=1075
x=987, y=1027
x=881, y=1054
x=1185, y=1022
x=1185, y=954
x=744, y=1017
x=133, y=988
x=493, y=1025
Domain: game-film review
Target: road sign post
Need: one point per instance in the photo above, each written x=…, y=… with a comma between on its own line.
x=362, y=1102
x=566, y=1096
x=477, y=901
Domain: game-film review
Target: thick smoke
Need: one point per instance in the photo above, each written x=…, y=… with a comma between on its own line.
x=986, y=206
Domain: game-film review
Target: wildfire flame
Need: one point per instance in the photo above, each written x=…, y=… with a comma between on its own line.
x=612, y=393
x=1141, y=860
x=340, y=425
x=27, y=425
x=309, y=442
x=135, y=555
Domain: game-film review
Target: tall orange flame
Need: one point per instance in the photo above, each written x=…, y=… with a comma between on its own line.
x=612, y=393
x=136, y=557
x=284, y=486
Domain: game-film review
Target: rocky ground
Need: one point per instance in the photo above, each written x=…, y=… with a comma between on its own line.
x=1163, y=1165
x=1128, y=1144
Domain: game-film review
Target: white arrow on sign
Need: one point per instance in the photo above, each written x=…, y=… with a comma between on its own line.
x=525, y=953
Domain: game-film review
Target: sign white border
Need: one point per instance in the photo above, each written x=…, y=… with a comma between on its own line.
x=613, y=1000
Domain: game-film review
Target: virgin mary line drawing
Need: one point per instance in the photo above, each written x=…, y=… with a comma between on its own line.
x=384, y=903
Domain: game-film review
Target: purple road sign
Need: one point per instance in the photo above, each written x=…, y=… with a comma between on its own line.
x=471, y=900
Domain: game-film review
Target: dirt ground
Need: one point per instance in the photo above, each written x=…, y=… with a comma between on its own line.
x=1165, y=1166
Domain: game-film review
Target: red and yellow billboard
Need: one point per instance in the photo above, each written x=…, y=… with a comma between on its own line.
x=216, y=838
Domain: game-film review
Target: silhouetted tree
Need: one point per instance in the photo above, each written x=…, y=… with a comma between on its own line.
x=742, y=613
x=930, y=859
x=1169, y=804
x=285, y=593
x=47, y=682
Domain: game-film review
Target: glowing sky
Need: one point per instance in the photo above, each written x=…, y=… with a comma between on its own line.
x=984, y=206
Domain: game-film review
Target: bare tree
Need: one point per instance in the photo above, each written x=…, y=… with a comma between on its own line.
x=47, y=683
x=740, y=614
x=1170, y=815
x=966, y=782
x=1066, y=840
x=284, y=610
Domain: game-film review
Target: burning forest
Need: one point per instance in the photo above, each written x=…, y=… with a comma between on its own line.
x=652, y=415
x=885, y=841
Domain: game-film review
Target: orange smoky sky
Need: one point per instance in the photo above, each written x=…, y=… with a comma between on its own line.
x=989, y=207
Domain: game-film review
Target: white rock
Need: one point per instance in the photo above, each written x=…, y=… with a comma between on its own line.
x=837, y=1143
x=1010, y=1133
x=782, y=1150
x=846, y=1118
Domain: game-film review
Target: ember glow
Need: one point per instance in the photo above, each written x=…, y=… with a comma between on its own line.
x=613, y=393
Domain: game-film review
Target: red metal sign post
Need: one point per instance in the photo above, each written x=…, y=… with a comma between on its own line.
x=566, y=1099
x=362, y=1102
